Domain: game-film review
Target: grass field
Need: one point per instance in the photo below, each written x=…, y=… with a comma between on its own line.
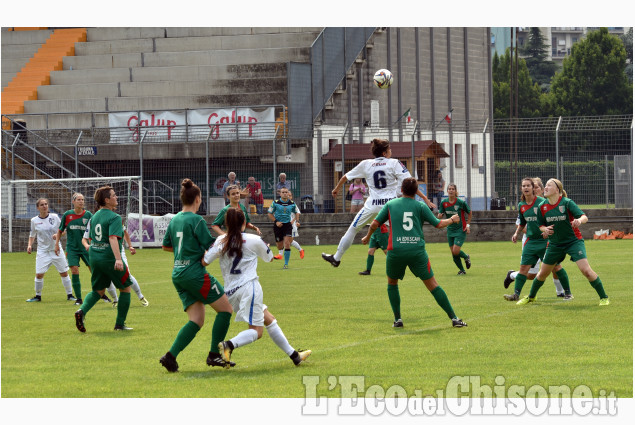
x=343, y=317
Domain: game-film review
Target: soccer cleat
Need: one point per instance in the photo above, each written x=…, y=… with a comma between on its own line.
x=70, y=297
x=105, y=298
x=169, y=362
x=35, y=299
x=365, y=273
x=225, y=351
x=114, y=304
x=122, y=328
x=277, y=257
x=567, y=297
x=330, y=259
x=398, y=324
x=468, y=263
x=604, y=301
x=560, y=294
x=461, y=272
x=144, y=302
x=508, y=279
x=301, y=254
x=526, y=300
x=458, y=323
x=511, y=297
x=285, y=267
x=299, y=356
x=79, y=301
x=215, y=359
x=79, y=320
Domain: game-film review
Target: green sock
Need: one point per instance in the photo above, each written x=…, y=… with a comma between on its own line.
x=457, y=261
x=599, y=288
x=463, y=254
x=395, y=300
x=442, y=299
x=184, y=337
x=369, y=262
x=90, y=300
x=519, y=283
x=122, y=308
x=77, y=286
x=220, y=328
x=564, y=281
x=535, y=287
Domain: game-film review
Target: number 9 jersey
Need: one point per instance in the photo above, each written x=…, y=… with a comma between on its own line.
x=383, y=176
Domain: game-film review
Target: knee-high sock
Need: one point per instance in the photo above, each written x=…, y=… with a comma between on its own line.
x=135, y=287
x=296, y=245
x=184, y=337
x=77, y=286
x=442, y=299
x=68, y=285
x=370, y=260
x=395, y=300
x=122, y=308
x=513, y=275
x=563, y=277
x=90, y=300
x=245, y=337
x=599, y=288
x=519, y=283
x=278, y=337
x=535, y=287
x=39, y=284
x=457, y=261
x=219, y=330
x=287, y=256
x=112, y=290
x=462, y=254
x=558, y=285
x=345, y=243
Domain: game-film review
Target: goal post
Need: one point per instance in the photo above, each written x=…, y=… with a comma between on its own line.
x=20, y=196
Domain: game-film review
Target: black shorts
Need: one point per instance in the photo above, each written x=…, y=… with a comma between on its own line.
x=280, y=232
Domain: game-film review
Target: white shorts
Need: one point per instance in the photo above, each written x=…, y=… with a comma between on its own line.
x=44, y=260
x=365, y=216
x=294, y=231
x=247, y=304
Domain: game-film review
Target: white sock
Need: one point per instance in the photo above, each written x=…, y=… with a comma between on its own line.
x=113, y=292
x=296, y=245
x=39, y=284
x=513, y=275
x=345, y=243
x=278, y=337
x=559, y=289
x=245, y=337
x=135, y=286
x=68, y=285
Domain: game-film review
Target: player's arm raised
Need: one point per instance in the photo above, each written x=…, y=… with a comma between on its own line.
x=446, y=222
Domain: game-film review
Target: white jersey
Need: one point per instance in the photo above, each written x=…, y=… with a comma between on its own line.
x=383, y=176
x=237, y=273
x=45, y=229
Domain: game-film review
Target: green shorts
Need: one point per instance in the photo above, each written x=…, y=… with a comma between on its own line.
x=379, y=240
x=533, y=250
x=103, y=273
x=557, y=253
x=457, y=238
x=417, y=260
x=204, y=288
x=73, y=258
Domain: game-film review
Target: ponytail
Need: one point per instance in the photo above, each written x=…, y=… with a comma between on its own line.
x=234, y=220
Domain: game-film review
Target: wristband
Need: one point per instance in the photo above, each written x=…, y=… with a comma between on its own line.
x=467, y=225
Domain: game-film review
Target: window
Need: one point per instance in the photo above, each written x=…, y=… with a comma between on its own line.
x=421, y=170
x=474, y=156
x=458, y=157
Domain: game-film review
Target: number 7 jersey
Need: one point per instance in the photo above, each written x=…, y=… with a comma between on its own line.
x=383, y=176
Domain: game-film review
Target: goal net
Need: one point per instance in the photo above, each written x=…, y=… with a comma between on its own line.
x=20, y=196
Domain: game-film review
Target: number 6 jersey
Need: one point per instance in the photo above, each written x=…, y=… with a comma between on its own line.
x=383, y=176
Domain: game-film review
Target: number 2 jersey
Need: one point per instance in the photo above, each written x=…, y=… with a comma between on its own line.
x=406, y=217
x=383, y=176
x=239, y=270
x=560, y=215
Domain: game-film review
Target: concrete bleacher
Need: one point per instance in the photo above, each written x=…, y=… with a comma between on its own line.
x=17, y=48
x=124, y=69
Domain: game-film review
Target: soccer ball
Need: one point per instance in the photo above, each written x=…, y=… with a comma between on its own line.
x=383, y=78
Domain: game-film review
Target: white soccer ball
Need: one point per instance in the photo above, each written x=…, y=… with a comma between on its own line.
x=383, y=78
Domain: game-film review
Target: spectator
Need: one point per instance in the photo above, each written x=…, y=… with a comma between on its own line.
x=231, y=181
x=282, y=183
x=357, y=190
x=255, y=194
x=438, y=186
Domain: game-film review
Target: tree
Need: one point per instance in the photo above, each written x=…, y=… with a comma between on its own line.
x=529, y=102
x=592, y=80
x=535, y=51
x=627, y=40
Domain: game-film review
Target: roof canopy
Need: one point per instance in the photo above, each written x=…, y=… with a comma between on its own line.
x=399, y=150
